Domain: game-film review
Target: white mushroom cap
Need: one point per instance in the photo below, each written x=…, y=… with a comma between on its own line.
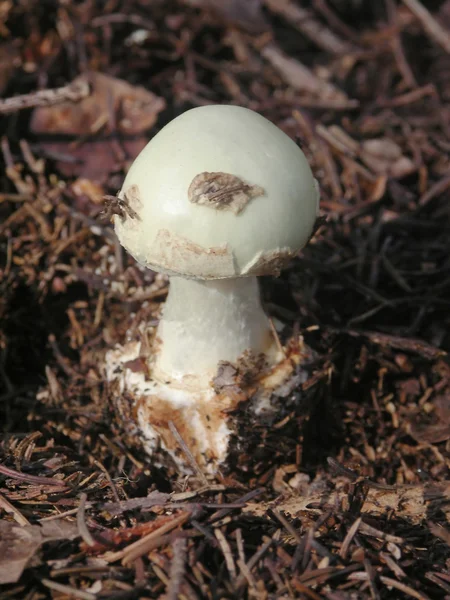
x=219, y=192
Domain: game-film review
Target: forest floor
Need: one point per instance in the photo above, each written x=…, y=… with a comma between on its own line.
x=352, y=501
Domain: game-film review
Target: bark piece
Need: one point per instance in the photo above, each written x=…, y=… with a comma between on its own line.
x=412, y=503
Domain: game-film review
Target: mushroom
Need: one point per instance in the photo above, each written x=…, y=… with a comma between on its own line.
x=218, y=197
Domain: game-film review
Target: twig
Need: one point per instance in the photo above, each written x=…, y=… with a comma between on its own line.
x=276, y=337
x=435, y=190
x=81, y=522
x=245, y=571
x=31, y=478
x=440, y=532
x=300, y=77
x=66, y=513
x=435, y=578
x=406, y=589
x=73, y=92
x=240, y=545
x=377, y=533
x=254, y=561
x=177, y=568
x=80, y=570
x=61, y=360
x=305, y=22
x=304, y=589
x=349, y=538
x=371, y=579
x=409, y=97
x=208, y=488
x=397, y=47
x=16, y=197
x=187, y=452
x=399, y=343
x=226, y=551
x=289, y=528
x=121, y=18
x=67, y=589
x=8, y=507
x=220, y=514
x=387, y=558
x=148, y=542
x=98, y=464
x=353, y=476
x=431, y=26
x=334, y=21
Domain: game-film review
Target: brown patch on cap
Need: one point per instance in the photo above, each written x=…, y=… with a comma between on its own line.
x=222, y=191
x=133, y=196
x=269, y=263
x=124, y=205
x=179, y=255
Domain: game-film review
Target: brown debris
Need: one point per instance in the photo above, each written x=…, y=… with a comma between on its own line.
x=112, y=107
x=307, y=23
x=138, y=109
x=438, y=429
x=222, y=191
x=18, y=545
x=247, y=15
x=370, y=294
x=153, y=499
x=123, y=205
x=435, y=30
x=413, y=504
x=73, y=92
x=384, y=156
x=300, y=78
x=394, y=341
x=9, y=62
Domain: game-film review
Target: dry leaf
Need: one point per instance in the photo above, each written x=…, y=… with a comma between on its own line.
x=439, y=429
x=412, y=503
x=18, y=545
x=114, y=106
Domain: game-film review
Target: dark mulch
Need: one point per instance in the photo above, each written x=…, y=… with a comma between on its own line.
x=352, y=504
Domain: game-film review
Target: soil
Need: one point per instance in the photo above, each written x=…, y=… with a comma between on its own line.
x=350, y=501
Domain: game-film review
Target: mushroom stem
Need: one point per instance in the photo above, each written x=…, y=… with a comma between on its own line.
x=205, y=322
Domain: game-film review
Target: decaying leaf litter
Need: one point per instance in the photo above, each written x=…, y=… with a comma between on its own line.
x=345, y=496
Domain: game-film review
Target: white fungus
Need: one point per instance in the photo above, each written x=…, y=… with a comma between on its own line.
x=219, y=196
